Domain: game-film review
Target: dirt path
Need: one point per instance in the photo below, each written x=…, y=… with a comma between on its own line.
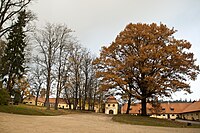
x=76, y=123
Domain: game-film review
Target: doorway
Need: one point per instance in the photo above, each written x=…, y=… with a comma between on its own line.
x=111, y=112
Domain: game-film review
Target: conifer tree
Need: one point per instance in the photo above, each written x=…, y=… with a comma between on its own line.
x=14, y=56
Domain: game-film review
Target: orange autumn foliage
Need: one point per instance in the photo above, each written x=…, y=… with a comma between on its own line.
x=146, y=60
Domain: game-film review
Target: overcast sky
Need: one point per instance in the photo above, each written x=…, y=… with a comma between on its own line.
x=98, y=22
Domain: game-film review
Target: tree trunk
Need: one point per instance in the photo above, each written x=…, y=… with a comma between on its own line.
x=68, y=100
x=70, y=105
x=85, y=90
x=76, y=90
x=144, y=108
x=59, y=84
x=56, y=102
x=100, y=105
x=47, y=104
x=9, y=87
x=73, y=99
x=80, y=99
x=85, y=98
x=129, y=104
x=84, y=103
x=94, y=99
x=21, y=97
x=76, y=97
x=57, y=93
x=37, y=95
x=90, y=99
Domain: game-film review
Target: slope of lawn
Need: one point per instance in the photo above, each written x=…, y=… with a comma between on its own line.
x=31, y=110
x=147, y=121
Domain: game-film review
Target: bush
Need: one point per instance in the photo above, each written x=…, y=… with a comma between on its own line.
x=17, y=98
x=4, y=97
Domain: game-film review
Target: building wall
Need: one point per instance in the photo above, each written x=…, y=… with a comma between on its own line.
x=111, y=107
x=40, y=104
x=99, y=108
x=96, y=108
x=86, y=106
x=191, y=116
x=63, y=106
x=29, y=101
x=165, y=116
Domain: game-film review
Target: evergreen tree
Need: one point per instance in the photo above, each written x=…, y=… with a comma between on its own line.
x=14, y=56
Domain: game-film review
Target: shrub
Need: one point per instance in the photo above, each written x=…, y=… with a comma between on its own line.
x=4, y=97
x=17, y=98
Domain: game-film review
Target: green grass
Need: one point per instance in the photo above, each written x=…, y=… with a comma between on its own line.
x=32, y=110
x=147, y=121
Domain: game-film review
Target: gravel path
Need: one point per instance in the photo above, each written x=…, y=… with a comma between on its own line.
x=76, y=123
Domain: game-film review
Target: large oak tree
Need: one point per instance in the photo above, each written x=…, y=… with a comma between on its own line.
x=145, y=60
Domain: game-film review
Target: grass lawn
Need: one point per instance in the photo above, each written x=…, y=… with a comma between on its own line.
x=145, y=120
x=32, y=110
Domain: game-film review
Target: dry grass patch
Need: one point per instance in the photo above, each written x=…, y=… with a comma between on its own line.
x=32, y=110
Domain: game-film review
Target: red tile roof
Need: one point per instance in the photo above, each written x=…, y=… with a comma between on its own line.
x=174, y=108
x=192, y=107
x=166, y=108
x=52, y=100
x=111, y=99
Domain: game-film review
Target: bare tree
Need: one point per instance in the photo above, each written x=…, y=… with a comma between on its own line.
x=47, y=40
x=64, y=42
x=80, y=86
x=75, y=60
x=36, y=78
x=88, y=77
x=8, y=13
x=55, y=43
x=68, y=91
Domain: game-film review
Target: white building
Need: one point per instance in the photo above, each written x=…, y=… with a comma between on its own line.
x=111, y=106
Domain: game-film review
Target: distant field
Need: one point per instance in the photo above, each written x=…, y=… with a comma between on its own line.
x=147, y=121
x=32, y=110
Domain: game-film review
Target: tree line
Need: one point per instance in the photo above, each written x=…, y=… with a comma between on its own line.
x=61, y=61
x=58, y=64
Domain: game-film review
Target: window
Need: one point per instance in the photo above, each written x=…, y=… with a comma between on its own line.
x=172, y=114
x=113, y=105
x=163, y=108
x=30, y=102
x=172, y=109
x=163, y=114
x=108, y=105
